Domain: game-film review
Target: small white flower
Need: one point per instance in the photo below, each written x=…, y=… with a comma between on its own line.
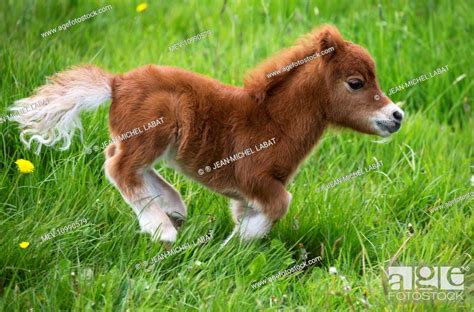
x=88, y=273
x=332, y=270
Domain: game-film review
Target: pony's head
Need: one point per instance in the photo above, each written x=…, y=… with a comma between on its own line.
x=334, y=78
x=354, y=98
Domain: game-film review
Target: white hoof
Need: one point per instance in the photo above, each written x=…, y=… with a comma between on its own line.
x=163, y=232
x=168, y=234
x=255, y=226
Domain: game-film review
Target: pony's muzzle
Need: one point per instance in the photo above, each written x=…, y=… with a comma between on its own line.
x=387, y=120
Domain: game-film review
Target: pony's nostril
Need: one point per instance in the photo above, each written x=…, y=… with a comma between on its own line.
x=397, y=115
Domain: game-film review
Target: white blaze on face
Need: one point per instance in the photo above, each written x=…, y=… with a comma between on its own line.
x=386, y=120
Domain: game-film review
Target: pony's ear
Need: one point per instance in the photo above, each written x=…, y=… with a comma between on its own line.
x=328, y=37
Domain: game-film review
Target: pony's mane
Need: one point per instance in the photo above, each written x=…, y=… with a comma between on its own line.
x=258, y=84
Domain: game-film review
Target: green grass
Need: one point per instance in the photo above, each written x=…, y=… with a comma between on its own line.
x=356, y=226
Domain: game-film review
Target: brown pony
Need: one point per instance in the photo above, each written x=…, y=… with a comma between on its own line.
x=255, y=137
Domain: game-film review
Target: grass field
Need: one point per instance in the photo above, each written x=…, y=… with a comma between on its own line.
x=357, y=226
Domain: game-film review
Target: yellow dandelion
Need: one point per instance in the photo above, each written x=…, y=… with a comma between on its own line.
x=142, y=7
x=24, y=245
x=25, y=166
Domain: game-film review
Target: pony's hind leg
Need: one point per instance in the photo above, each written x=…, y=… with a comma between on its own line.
x=170, y=200
x=141, y=189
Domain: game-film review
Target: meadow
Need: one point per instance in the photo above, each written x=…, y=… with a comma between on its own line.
x=98, y=259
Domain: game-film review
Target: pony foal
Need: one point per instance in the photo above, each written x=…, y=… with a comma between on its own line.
x=205, y=121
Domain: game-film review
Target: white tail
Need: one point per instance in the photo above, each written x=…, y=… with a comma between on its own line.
x=52, y=114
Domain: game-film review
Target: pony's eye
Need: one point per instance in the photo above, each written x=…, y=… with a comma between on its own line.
x=355, y=84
